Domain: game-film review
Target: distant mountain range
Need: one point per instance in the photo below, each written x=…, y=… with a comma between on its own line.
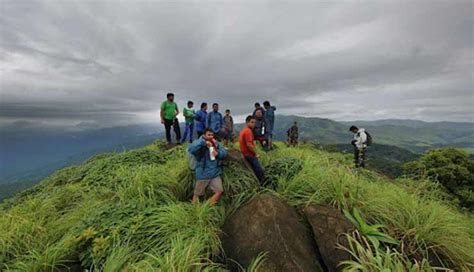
x=26, y=149
x=28, y=154
x=416, y=136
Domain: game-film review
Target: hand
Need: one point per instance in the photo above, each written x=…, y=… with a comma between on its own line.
x=208, y=143
x=257, y=156
x=215, y=153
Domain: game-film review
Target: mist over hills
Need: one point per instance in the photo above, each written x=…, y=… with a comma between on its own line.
x=30, y=153
x=26, y=148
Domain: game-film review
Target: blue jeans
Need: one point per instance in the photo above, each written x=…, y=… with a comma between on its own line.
x=188, y=128
x=257, y=168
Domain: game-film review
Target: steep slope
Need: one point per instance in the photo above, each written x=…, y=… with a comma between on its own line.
x=386, y=159
x=131, y=211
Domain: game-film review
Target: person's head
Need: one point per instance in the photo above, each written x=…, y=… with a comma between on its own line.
x=170, y=97
x=208, y=134
x=250, y=121
x=257, y=105
x=353, y=129
x=296, y=123
x=204, y=106
x=190, y=104
x=258, y=113
x=266, y=104
x=227, y=112
x=215, y=107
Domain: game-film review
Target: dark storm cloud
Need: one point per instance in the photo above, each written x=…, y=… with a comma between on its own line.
x=113, y=62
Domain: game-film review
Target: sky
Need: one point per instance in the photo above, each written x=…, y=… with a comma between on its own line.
x=107, y=63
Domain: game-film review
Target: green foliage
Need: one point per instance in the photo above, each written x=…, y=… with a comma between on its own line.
x=283, y=168
x=366, y=258
x=385, y=159
x=450, y=167
x=256, y=263
x=424, y=225
x=372, y=232
x=131, y=211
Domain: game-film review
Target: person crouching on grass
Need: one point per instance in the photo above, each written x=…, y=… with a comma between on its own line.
x=208, y=153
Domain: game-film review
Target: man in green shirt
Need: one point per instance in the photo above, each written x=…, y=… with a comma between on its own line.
x=188, y=113
x=168, y=113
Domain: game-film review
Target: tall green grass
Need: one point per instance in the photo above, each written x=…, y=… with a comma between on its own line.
x=426, y=226
x=131, y=211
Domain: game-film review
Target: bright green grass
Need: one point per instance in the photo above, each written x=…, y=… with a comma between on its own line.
x=132, y=211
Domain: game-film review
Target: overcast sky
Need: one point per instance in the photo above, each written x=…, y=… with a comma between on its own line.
x=112, y=62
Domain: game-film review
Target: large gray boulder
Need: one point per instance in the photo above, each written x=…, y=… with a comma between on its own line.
x=329, y=226
x=267, y=224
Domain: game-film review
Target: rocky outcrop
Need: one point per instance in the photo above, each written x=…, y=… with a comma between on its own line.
x=268, y=224
x=329, y=226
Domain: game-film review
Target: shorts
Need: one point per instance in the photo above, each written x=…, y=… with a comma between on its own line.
x=214, y=183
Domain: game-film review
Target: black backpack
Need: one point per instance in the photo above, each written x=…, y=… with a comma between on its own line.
x=369, y=140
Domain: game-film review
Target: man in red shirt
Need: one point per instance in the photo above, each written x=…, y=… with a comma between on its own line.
x=248, y=149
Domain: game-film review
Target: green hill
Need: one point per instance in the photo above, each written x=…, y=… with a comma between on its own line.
x=131, y=211
x=385, y=159
x=416, y=136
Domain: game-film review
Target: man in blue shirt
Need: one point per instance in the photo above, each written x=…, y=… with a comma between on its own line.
x=201, y=119
x=208, y=153
x=270, y=120
x=214, y=120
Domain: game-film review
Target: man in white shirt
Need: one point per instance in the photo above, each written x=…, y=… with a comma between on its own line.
x=360, y=146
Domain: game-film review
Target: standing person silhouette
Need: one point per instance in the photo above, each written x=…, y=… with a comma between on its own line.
x=249, y=150
x=169, y=111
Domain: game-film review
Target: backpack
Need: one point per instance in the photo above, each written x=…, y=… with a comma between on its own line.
x=369, y=140
x=193, y=159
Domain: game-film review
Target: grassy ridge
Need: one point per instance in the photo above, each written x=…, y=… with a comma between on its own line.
x=131, y=210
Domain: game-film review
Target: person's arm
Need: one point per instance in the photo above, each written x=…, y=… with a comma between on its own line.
x=196, y=146
x=222, y=152
x=232, y=124
x=358, y=140
x=177, y=110
x=250, y=144
x=162, y=113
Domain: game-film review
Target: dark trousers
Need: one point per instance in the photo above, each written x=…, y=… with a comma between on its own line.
x=360, y=157
x=175, y=124
x=257, y=168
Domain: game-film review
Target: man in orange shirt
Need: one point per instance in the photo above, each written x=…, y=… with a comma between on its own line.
x=248, y=149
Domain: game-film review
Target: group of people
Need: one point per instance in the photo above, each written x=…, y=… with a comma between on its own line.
x=222, y=126
x=264, y=124
x=208, y=153
x=212, y=128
